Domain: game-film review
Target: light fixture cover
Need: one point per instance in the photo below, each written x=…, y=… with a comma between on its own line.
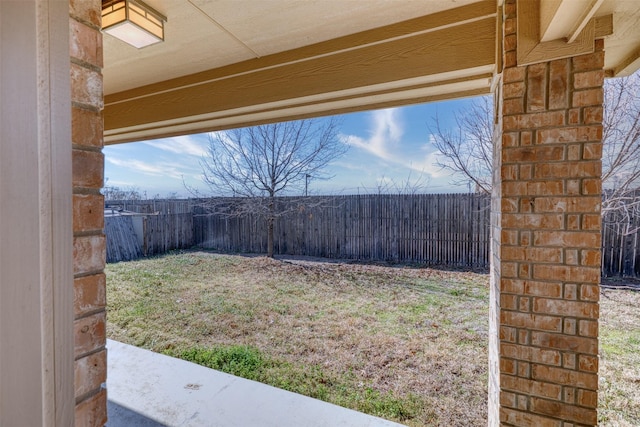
x=133, y=22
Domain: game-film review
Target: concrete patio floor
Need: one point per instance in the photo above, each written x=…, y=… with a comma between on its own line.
x=148, y=389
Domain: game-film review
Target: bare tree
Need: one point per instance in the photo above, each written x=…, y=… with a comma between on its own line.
x=259, y=163
x=117, y=193
x=621, y=150
x=467, y=150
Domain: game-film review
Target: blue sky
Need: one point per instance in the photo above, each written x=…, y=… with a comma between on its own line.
x=387, y=148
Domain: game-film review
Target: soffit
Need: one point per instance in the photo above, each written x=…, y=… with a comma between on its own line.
x=232, y=63
x=206, y=34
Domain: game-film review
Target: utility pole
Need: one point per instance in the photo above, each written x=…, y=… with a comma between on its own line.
x=306, y=184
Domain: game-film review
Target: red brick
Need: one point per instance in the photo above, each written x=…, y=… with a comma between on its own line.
x=558, y=84
x=533, y=188
x=536, y=87
x=89, y=254
x=514, y=74
x=569, y=327
x=533, y=388
x=508, y=399
x=588, y=398
x=85, y=43
x=588, y=328
x=525, y=172
x=87, y=169
x=88, y=212
x=539, y=221
x=509, y=172
x=543, y=289
x=569, y=361
x=533, y=120
x=86, y=86
x=592, y=150
x=589, y=292
x=517, y=418
x=509, y=9
x=524, y=369
x=567, y=204
x=591, y=258
x=579, y=169
x=587, y=98
x=588, y=79
x=90, y=373
x=588, y=363
x=566, y=272
x=560, y=410
x=507, y=366
x=510, y=59
x=570, y=239
x=592, y=187
x=509, y=269
x=571, y=291
x=531, y=354
x=89, y=294
x=510, y=139
x=533, y=154
x=524, y=271
x=569, y=134
x=508, y=302
x=86, y=128
x=510, y=42
x=564, y=343
x=513, y=90
x=573, y=222
x=509, y=237
x=531, y=321
x=507, y=334
x=513, y=106
x=509, y=205
x=593, y=115
x=511, y=286
x=89, y=334
x=509, y=26
x=87, y=11
x=92, y=412
x=524, y=304
x=571, y=257
x=591, y=61
x=574, y=152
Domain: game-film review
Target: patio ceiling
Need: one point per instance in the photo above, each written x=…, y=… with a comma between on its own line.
x=232, y=63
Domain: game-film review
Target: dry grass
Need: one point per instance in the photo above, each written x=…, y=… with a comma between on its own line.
x=619, y=400
x=407, y=344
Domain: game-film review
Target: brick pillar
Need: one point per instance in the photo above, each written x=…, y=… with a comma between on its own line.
x=546, y=230
x=88, y=213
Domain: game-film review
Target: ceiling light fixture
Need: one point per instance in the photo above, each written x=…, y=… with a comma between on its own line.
x=133, y=22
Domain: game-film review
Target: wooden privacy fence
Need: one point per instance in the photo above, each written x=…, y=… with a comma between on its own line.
x=620, y=246
x=435, y=229
x=445, y=229
x=129, y=236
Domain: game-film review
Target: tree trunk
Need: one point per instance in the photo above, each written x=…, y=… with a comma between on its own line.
x=270, y=220
x=270, y=236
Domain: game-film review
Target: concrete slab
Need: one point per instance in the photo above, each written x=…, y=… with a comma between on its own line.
x=150, y=389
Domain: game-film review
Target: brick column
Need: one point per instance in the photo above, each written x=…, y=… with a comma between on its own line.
x=88, y=213
x=546, y=230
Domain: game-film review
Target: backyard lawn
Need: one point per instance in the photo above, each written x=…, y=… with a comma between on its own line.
x=406, y=344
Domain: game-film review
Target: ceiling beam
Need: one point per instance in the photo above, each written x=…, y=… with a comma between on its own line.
x=392, y=65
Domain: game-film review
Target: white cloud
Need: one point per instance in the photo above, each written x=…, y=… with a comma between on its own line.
x=154, y=169
x=385, y=135
x=181, y=145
